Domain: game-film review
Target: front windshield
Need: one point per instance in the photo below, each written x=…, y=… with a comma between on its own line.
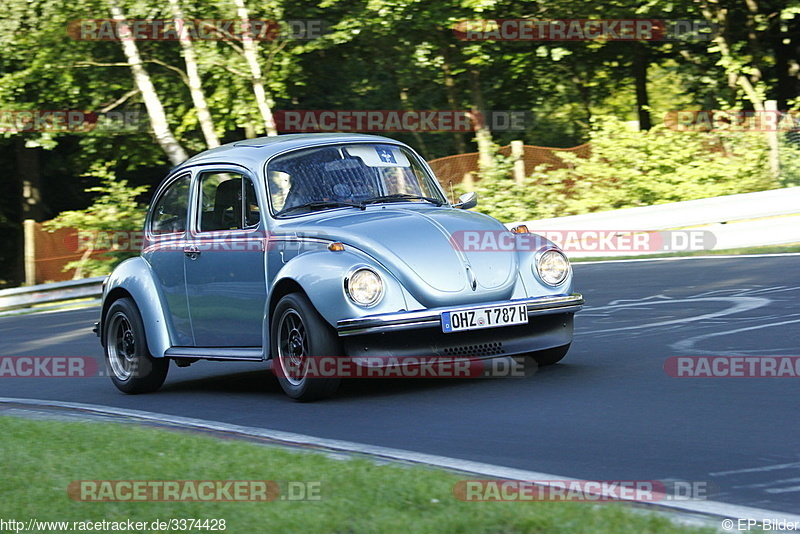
x=347, y=175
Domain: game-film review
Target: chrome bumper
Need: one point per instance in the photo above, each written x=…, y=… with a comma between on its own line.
x=430, y=318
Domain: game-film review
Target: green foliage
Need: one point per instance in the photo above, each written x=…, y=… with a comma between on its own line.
x=106, y=225
x=790, y=161
x=629, y=168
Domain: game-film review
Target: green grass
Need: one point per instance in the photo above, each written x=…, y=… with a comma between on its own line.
x=771, y=249
x=39, y=459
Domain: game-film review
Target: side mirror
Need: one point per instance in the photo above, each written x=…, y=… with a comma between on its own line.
x=467, y=201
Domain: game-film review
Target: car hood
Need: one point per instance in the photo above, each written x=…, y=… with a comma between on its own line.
x=422, y=248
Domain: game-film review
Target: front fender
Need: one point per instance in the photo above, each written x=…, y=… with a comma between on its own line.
x=136, y=278
x=321, y=274
x=529, y=247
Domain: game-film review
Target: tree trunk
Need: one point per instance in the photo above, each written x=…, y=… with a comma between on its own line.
x=452, y=101
x=419, y=142
x=155, y=110
x=641, y=61
x=787, y=85
x=250, y=48
x=483, y=136
x=720, y=18
x=195, y=85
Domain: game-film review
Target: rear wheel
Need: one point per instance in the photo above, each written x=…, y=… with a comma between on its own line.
x=129, y=362
x=299, y=333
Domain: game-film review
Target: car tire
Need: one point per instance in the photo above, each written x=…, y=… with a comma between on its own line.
x=128, y=360
x=298, y=332
x=550, y=356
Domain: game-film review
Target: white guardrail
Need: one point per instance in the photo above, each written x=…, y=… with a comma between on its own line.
x=25, y=297
x=735, y=221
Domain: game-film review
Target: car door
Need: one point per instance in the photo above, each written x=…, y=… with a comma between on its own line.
x=165, y=232
x=224, y=260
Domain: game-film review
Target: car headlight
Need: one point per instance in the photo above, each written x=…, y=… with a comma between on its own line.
x=553, y=267
x=364, y=287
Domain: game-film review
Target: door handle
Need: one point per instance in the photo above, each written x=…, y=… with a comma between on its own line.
x=192, y=252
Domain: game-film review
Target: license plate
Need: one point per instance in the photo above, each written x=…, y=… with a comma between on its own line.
x=490, y=317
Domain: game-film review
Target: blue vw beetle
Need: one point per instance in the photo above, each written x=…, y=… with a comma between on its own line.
x=293, y=247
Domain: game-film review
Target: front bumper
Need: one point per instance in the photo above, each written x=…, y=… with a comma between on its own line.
x=432, y=318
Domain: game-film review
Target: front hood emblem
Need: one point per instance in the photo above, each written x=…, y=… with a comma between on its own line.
x=472, y=280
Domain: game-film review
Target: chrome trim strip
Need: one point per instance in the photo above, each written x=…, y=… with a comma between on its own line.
x=276, y=238
x=393, y=322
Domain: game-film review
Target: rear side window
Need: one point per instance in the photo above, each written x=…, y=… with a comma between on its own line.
x=170, y=210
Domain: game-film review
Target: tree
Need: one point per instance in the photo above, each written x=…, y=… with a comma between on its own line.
x=111, y=225
x=155, y=109
x=250, y=53
x=193, y=80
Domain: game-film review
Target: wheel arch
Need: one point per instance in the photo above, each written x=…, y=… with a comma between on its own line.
x=133, y=279
x=282, y=287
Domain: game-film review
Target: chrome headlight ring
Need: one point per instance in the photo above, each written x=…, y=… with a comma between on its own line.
x=364, y=286
x=552, y=266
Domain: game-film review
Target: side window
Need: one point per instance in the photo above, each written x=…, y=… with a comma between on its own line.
x=227, y=202
x=169, y=212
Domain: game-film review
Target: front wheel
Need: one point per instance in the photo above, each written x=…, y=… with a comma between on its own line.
x=299, y=333
x=131, y=367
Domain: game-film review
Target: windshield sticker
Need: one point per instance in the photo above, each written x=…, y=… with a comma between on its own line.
x=379, y=156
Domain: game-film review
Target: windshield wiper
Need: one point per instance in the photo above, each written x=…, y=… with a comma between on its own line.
x=402, y=196
x=320, y=205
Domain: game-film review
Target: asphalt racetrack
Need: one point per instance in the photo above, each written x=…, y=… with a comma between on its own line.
x=608, y=411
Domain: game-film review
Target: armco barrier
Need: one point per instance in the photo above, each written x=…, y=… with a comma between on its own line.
x=24, y=297
x=700, y=212
x=733, y=221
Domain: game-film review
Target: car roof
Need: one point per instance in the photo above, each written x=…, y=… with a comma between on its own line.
x=252, y=153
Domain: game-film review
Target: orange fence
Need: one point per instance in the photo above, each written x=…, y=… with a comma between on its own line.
x=455, y=168
x=53, y=250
